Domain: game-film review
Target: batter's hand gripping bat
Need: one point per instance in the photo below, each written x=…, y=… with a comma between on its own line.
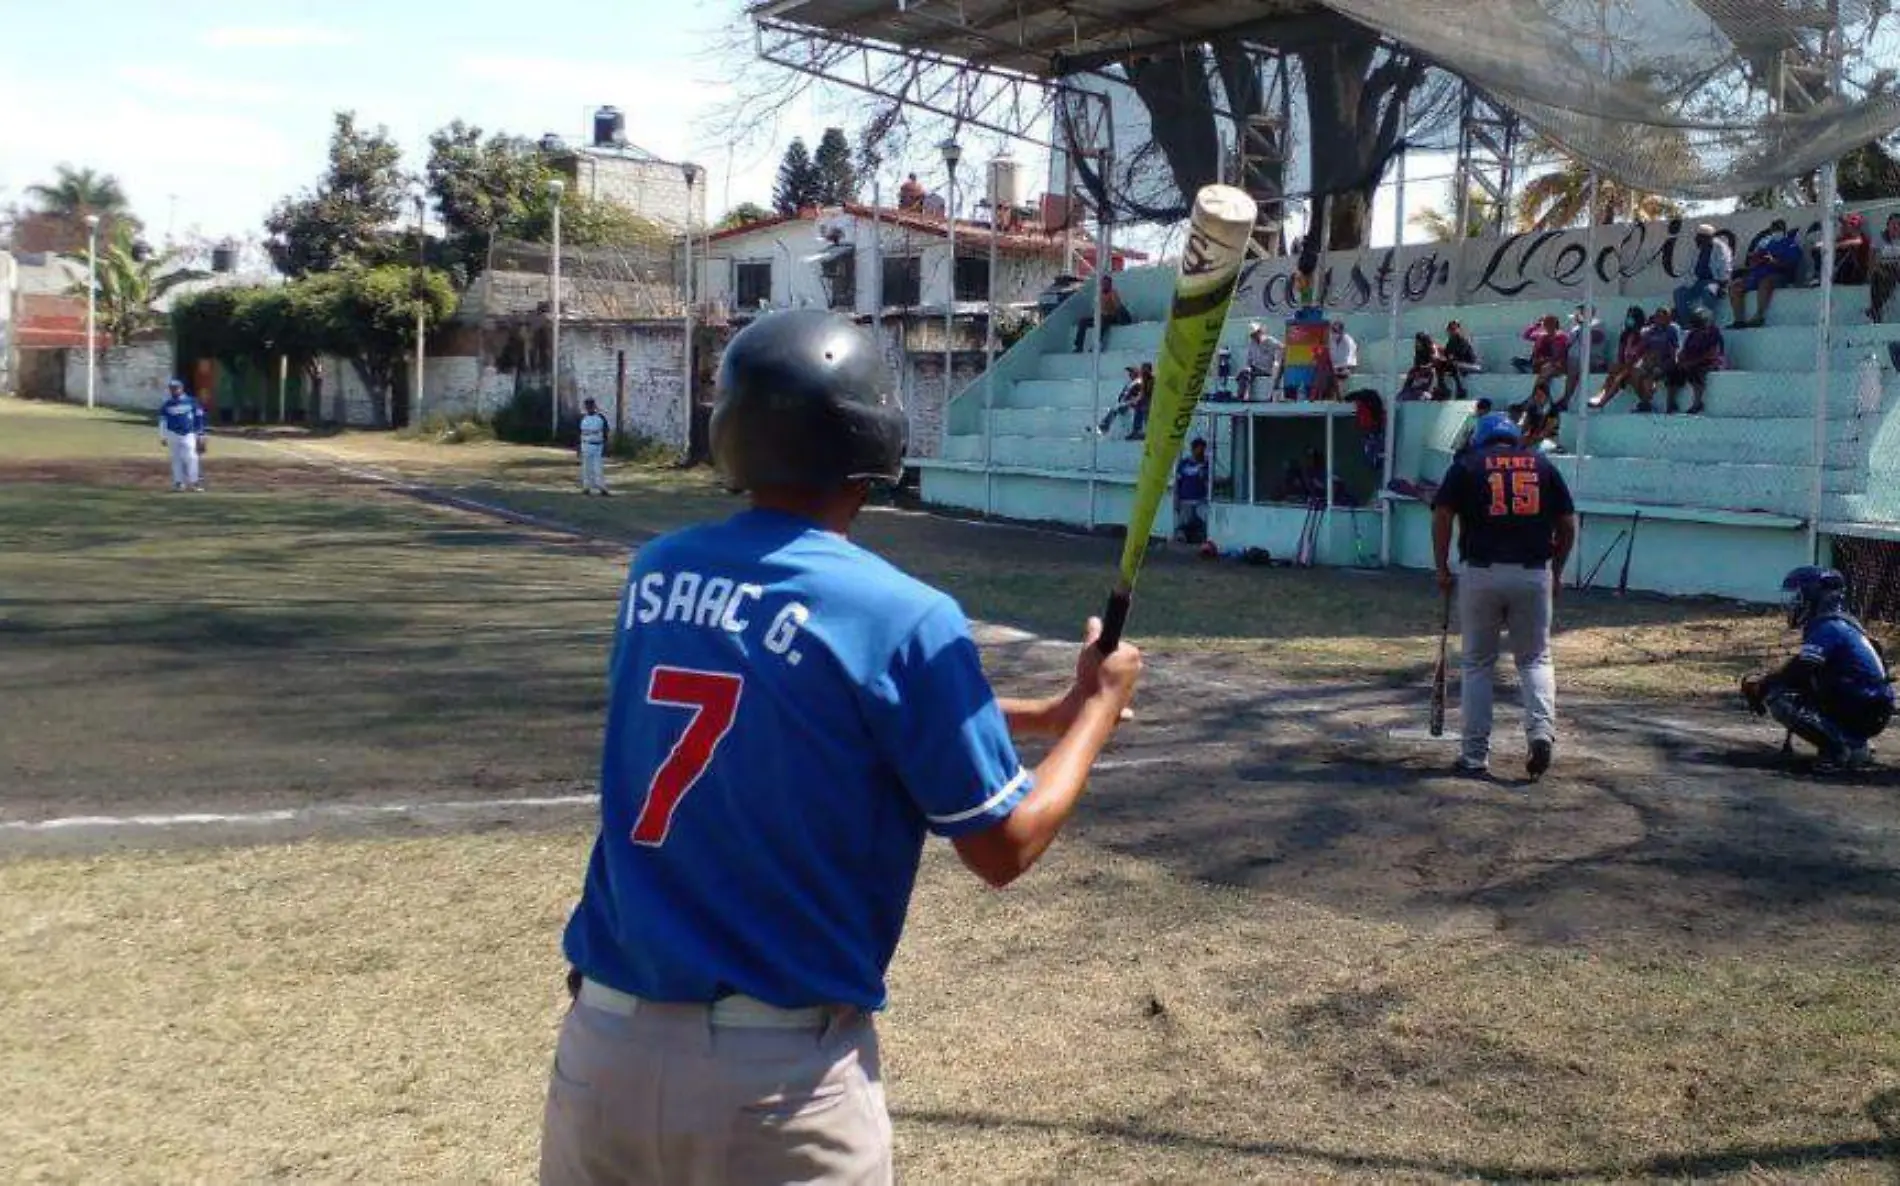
x=1210, y=266
x=1438, y=672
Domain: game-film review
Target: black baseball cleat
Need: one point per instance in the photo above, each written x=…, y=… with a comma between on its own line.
x=1539, y=761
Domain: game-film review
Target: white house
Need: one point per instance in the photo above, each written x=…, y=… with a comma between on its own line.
x=891, y=268
x=873, y=262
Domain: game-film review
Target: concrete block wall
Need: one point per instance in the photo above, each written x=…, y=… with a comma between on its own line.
x=656, y=375
x=132, y=376
x=653, y=189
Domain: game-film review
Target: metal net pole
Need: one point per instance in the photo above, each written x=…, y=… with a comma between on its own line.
x=1396, y=378
x=1824, y=334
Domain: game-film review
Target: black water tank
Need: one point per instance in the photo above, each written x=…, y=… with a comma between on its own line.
x=224, y=257
x=610, y=128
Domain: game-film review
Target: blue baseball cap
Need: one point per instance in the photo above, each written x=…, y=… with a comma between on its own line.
x=1492, y=429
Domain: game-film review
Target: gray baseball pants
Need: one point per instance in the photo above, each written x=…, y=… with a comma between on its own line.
x=1490, y=601
x=646, y=1094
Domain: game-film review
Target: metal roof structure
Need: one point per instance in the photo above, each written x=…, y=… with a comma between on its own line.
x=1048, y=38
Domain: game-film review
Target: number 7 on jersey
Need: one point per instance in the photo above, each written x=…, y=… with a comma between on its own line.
x=713, y=697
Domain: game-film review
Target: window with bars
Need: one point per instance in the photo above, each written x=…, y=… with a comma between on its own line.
x=903, y=281
x=752, y=285
x=973, y=278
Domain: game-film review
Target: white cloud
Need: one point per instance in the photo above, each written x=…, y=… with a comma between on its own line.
x=276, y=37
x=167, y=84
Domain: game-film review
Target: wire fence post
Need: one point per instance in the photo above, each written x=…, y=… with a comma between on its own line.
x=1588, y=329
x=1396, y=378
x=1824, y=331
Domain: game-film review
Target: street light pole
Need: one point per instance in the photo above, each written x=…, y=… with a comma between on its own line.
x=952, y=153
x=92, y=303
x=556, y=187
x=415, y=411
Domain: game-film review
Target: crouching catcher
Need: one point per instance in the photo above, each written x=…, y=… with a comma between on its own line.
x=1835, y=693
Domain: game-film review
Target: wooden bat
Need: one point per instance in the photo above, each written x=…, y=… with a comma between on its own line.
x=1438, y=673
x=1218, y=232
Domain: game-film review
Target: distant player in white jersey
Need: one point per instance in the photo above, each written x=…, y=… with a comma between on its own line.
x=181, y=428
x=593, y=449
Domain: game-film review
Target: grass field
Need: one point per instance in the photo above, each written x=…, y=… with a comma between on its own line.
x=1276, y=946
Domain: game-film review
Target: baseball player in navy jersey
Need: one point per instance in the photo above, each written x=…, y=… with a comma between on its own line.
x=181, y=426
x=789, y=716
x=1516, y=525
x=593, y=449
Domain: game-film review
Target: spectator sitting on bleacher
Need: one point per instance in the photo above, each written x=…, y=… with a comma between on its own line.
x=1533, y=333
x=1701, y=353
x=1772, y=265
x=1456, y=359
x=1550, y=357
x=1113, y=313
x=1714, y=268
x=1662, y=341
x=1629, y=352
x=1129, y=401
x=1422, y=380
x=1886, y=276
x=1265, y=355
x=1853, y=251
x=1585, y=333
x=1537, y=418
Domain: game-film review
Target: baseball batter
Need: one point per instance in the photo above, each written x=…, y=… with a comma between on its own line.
x=789, y=716
x=181, y=426
x=1516, y=525
x=593, y=449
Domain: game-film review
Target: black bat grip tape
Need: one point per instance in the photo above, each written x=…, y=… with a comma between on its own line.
x=1114, y=617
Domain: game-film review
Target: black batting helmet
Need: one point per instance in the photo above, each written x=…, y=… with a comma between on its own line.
x=804, y=400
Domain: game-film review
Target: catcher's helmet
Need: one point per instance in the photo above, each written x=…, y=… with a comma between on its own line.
x=1813, y=591
x=1492, y=429
x=804, y=400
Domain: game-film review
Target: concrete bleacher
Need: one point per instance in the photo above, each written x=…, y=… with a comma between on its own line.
x=1746, y=464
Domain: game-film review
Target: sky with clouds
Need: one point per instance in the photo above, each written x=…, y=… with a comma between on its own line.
x=209, y=111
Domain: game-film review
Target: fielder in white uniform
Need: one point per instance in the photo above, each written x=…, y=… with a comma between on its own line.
x=593, y=450
x=181, y=426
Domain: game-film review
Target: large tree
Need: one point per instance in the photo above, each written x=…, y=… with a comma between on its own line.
x=797, y=185
x=484, y=187
x=837, y=176
x=347, y=216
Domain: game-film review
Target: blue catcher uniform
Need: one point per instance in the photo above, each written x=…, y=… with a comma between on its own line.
x=1835, y=693
x=789, y=716
x=181, y=426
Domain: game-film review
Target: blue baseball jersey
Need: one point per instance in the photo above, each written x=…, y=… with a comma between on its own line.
x=788, y=716
x=1848, y=669
x=593, y=429
x=180, y=415
x=1190, y=480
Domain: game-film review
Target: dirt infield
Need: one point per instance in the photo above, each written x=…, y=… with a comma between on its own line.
x=1278, y=944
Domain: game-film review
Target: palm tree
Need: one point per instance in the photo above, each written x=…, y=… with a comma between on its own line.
x=1480, y=210
x=76, y=193
x=1558, y=199
x=130, y=281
